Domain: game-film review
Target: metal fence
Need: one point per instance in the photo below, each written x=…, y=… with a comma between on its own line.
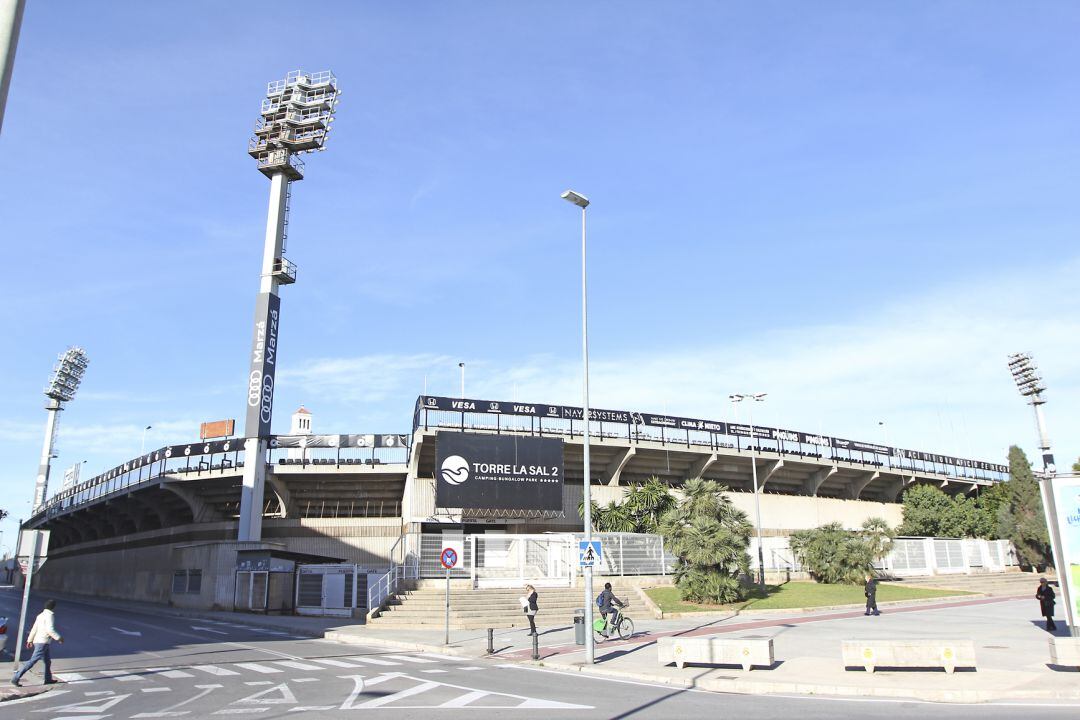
x=910, y=556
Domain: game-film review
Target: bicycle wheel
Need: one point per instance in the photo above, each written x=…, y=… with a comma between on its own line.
x=626, y=628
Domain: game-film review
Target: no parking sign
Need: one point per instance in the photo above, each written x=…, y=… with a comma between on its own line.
x=448, y=558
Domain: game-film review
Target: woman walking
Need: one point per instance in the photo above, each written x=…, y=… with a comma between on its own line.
x=531, y=608
x=1045, y=596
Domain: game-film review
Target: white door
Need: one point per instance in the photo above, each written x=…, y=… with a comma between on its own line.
x=333, y=590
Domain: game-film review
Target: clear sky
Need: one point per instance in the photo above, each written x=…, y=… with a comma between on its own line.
x=859, y=208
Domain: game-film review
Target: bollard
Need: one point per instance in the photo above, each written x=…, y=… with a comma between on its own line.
x=491, y=641
x=536, y=647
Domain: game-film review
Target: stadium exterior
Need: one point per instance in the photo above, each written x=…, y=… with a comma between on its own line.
x=163, y=527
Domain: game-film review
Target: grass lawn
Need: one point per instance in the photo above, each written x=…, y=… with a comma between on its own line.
x=798, y=595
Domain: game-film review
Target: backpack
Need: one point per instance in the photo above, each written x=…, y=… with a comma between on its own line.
x=600, y=600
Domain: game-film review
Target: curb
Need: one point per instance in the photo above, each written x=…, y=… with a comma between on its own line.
x=346, y=638
x=15, y=693
x=823, y=608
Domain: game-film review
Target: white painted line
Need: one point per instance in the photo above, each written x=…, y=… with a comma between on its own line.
x=256, y=667
x=71, y=678
x=372, y=660
x=121, y=675
x=241, y=711
x=171, y=711
x=408, y=658
x=436, y=671
x=171, y=673
x=387, y=699
x=259, y=682
x=474, y=667
x=156, y=689
x=298, y=665
x=314, y=707
x=214, y=670
x=304, y=680
x=463, y=700
x=98, y=692
x=334, y=663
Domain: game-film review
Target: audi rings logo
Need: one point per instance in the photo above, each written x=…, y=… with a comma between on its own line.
x=455, y=470
x=267, y=398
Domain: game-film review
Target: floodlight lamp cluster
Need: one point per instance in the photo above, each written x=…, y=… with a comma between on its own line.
x=68, y=373
x=1024, y=371
x=297, y=116
x=739, y=397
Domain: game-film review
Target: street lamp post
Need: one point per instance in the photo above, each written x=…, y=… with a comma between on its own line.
x=142, y=445
x=756, y=397
x=11, y=13
x=590, y=649
x=462, y=366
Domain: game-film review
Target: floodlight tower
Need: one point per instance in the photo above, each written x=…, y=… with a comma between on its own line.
x=296, y=118
x=64, y=383
x=1030, y=384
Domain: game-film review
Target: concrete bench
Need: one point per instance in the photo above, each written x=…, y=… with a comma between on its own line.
x=715, y=651
x=918, y=653
x=1065, y=651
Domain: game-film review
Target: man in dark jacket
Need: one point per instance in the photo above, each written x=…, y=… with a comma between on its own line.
x=1045, y=595
x=870, y=591
x=607, y=602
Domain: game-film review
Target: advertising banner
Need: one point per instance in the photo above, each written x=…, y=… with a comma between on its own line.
x=263, y=366
x=1067, y=512
x=498, y=472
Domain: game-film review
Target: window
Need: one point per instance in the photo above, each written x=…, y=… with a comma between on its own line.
x=187, y=582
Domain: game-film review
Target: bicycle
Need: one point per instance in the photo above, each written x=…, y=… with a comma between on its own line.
x=616, y=622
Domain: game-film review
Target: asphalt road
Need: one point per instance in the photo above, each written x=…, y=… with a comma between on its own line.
x=129, y=665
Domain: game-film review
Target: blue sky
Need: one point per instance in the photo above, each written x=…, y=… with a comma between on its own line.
x=857, y=208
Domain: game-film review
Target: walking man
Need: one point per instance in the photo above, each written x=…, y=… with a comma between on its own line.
x=41, y=634
x=1045, y=595
x=870, y=591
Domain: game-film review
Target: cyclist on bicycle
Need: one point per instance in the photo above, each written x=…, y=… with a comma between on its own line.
x=609, y=604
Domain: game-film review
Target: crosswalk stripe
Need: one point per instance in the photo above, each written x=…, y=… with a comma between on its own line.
x=121, y=675
x=72, y=678
x=463, y=700
x=214, y=670
x=387, y=699
x=334, y=663
x=407, y=658
x=164, y=672
x=256, y=667
x=297, y=665
x=372, y=660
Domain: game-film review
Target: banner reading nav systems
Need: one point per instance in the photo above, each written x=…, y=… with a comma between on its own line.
x=492, y=472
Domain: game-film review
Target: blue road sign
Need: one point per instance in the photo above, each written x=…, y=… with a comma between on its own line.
x=589, y=553
x=448, y=558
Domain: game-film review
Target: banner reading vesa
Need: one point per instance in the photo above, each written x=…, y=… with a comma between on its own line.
x=498, y=472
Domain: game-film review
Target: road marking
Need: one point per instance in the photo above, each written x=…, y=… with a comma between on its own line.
x=387, y=699
x=372, y=660
x=407, y=658
x=209, y=630
x=214, y=670
x=72, y=678
x=241, y=711
x=156, y=689
x=264, y=669
x=259, y=682
x=171, y=711
x=335, y=663
x=524, y=702
x=166, y=672
x=306, y=708
x=305, y=680
x=298, y=665
x=285, y=697
x=121, y=675
x=98, y=692
x=463, y=700
x=433, y=671
x=87, y=706
x=133, y=633
x=472, y=667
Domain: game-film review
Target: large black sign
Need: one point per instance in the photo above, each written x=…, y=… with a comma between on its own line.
x=498, y=472
x=264, y=350
x=566, y=412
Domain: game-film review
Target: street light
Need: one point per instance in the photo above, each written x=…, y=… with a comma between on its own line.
x=1030, y=384
x=462, y=366
x=142, y=445
x=590, y=649
x=756, y=397
x=11, y=14
x=296, y=117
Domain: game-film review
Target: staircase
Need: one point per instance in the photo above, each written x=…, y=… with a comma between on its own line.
x=998, y=584
x=488, y=607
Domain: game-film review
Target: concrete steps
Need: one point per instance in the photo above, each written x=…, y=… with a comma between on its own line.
x=998, y=584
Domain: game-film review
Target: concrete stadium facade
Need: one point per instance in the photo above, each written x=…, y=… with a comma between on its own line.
x=130, y=532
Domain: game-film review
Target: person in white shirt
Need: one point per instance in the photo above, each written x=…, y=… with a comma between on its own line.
x=41, y=634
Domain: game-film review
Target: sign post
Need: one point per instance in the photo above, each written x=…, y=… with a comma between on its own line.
x=449, y=558
x=33, y=545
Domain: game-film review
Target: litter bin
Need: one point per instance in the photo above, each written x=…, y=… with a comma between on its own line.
x=579, y=626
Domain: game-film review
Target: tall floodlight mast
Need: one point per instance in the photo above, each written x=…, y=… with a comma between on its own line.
x=296, y=118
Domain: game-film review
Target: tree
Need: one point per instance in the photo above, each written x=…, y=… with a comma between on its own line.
x=709, y=537
x=832, y=554
x=1076, y=466
x=929, y=512
x=639, y=511
x=1021, y=518
x=925, y=506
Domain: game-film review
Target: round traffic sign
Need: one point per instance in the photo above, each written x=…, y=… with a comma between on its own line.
x=448, y=558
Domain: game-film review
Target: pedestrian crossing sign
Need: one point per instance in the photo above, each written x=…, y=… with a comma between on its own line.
x=590, y=553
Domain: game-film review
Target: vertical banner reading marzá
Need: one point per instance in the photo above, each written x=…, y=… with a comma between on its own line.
x=263, y=366
x=1067, y=509
x=498, y=472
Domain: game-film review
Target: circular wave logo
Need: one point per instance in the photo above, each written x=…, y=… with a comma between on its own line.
x=455, y=470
